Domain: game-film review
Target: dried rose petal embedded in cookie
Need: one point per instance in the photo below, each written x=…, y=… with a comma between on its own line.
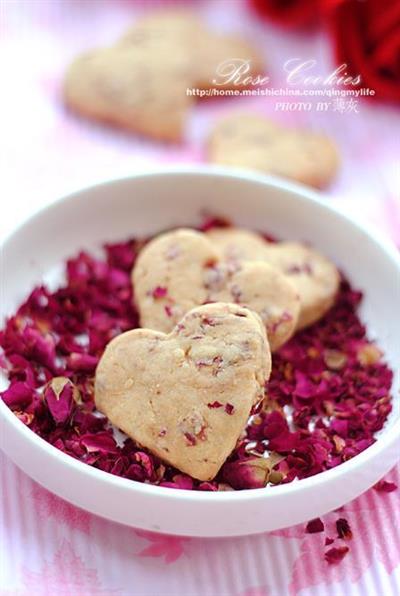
x=251, y=141
x=157, y=388
x=183, y=269
x=315, y=277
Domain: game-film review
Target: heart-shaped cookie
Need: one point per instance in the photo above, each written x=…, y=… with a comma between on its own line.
x=131, y=87
x=182, y=269
x=254, y=142
x=141, y=82
x=315, y=278
x=187, y=396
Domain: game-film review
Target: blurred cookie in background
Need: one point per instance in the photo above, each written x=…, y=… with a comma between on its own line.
x=141, y=83
x=254, y=142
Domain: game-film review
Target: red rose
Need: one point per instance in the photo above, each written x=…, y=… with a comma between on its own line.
x=293, y=13
x=366, y=35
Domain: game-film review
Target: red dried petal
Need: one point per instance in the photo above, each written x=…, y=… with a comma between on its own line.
x=248, y=473
x=61, y=395
x=314, y=526
x=229, y=409
x=18, y=395
x=102, y=442
x=343, y=529
x=159, y=292
x=336, y=554
x=385, y=487
x=190, y=438
x=214, y=404
x=82, y=362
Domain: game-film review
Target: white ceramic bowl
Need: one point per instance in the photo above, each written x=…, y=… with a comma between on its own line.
x=151, y=202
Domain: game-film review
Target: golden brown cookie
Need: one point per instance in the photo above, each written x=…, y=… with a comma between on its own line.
x=315, y=278
x=141, y=82
x=182, y=269
x=132, y=88
x=209, y=52
x=187, y=396
x=253, y=142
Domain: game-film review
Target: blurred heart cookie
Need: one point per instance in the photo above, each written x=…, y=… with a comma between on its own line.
x=141, y=82
x=254, y=142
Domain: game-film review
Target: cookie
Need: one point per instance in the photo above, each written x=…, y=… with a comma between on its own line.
x=182, y=269
x=254, y=142
x=237, y=244
x=131, y=88
x=180, y=26
x=209, y=52
x=315, y=278
x=140, y=83
x=187, y=396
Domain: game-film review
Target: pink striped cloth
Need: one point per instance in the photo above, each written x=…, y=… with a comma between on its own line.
x=50, y=547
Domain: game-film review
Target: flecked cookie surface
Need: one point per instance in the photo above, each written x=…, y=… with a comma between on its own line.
x=131, y=88
x=187, y=396
x=315, y=277
x=140, y=83
x=182, y=269
x=253, y=142
x=207, y=49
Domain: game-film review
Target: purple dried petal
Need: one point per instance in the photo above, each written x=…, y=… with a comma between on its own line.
x=18, y=395
x=61, y=395
x=82, y=362
x=208, y=486
x=229, y=409
x=248, y=473
x=384, y=486
x=336, y=554
x=314, y=526
x=102, y=442
x=343, y=529
x=159, y=292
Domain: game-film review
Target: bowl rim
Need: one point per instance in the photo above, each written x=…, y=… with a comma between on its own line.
x=303, y=193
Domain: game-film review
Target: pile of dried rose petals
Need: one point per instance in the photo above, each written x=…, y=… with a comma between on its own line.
x=328, y=395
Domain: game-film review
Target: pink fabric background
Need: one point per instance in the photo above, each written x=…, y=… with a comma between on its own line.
x=49, y=547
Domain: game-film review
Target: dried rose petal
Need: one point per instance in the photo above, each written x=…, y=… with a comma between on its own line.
x=146, y=462
x=336, y=554
x=61, y=395
x=329, y=541
x=252, y=472
x=385, y=487
x=159, y=292
x=179, y=481
x=82, y=362
x=208, y=486
x=101, y=442
x=335, y=359
x=314, y=526
x=343, y=529
x=214, y=404
x=369, y=354
x=18, y=395
x=229, y=409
